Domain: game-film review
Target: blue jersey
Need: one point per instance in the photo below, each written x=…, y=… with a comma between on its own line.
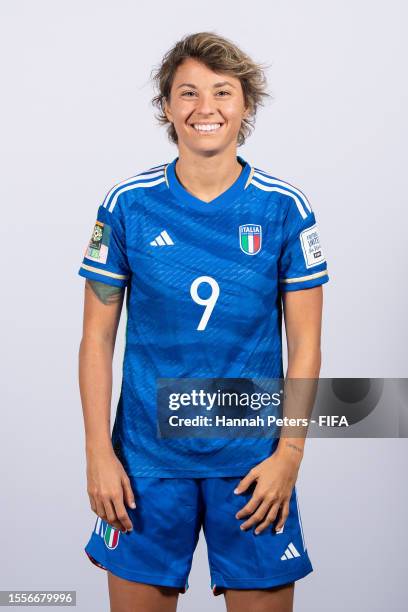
x=204, y=285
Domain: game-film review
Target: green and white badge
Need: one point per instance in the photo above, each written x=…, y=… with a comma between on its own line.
x=98, y=246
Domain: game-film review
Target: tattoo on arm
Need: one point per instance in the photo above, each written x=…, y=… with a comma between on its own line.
x=290, y=445
x=107, y=294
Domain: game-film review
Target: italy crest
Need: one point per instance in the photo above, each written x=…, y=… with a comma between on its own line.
x=109, y=534
x=111, y=537
x=250, y=238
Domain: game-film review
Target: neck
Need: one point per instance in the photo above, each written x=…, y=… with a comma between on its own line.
x=206, y=177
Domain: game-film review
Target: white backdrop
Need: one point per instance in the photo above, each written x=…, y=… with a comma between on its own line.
x=75, y=119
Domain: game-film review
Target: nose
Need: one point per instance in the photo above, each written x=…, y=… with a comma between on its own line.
x=205, y=104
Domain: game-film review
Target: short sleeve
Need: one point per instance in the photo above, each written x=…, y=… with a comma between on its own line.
x=105, y=258
x=302, y=263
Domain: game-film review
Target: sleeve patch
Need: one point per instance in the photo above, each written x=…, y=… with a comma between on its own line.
x=98, y=246
x=312, y=250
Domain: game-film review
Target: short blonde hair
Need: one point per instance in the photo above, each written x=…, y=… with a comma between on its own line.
x=220, y=55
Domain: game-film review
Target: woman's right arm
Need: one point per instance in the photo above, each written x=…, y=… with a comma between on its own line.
x=109, y=487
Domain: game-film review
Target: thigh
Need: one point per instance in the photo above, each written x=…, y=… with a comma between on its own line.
x=159, y=549
x=130, y=596
x=277, y=599
x=242, y=560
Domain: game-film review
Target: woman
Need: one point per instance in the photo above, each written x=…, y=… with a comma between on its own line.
x=209, y=248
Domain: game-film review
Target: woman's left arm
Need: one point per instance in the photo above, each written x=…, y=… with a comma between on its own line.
x=276, y=476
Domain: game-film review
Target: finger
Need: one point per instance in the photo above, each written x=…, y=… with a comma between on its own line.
x=256, y=499
x=101, y=512
x=128, y=493
x=250, y=507
x=111, y=517
x=245, y=482
x=270, y=517
x=257, y=516
x=121, y=514
x=284, y=515
x=100, y=508
x=92, y=502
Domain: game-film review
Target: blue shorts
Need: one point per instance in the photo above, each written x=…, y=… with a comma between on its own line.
x=166, y=522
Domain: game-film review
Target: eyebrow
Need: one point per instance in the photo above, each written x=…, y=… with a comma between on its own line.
x=220, y=84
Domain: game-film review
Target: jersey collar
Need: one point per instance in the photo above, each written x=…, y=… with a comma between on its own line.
x=228, y=196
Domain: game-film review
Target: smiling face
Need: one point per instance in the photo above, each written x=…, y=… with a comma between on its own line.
x=205, y=107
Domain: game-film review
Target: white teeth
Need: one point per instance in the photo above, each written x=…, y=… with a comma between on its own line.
x=207, y=127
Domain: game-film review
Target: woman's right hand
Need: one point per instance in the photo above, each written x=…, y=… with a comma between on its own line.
x=109, y=488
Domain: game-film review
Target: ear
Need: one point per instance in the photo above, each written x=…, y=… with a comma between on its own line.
x=167, y=111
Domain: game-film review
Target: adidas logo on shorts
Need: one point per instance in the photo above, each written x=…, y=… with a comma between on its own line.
x=290, y=553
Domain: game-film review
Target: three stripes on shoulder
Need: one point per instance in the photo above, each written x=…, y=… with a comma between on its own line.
x=258, y=178
x=267, y=182
x=149, y=178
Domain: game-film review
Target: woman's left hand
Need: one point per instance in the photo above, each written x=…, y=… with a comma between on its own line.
x=275, y=478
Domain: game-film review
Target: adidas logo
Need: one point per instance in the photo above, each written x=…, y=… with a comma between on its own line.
x=290, y=553
x=163, y=239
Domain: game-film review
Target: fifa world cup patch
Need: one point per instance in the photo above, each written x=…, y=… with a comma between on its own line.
x=250, y=238
x=312, y=250
x=98, y=246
